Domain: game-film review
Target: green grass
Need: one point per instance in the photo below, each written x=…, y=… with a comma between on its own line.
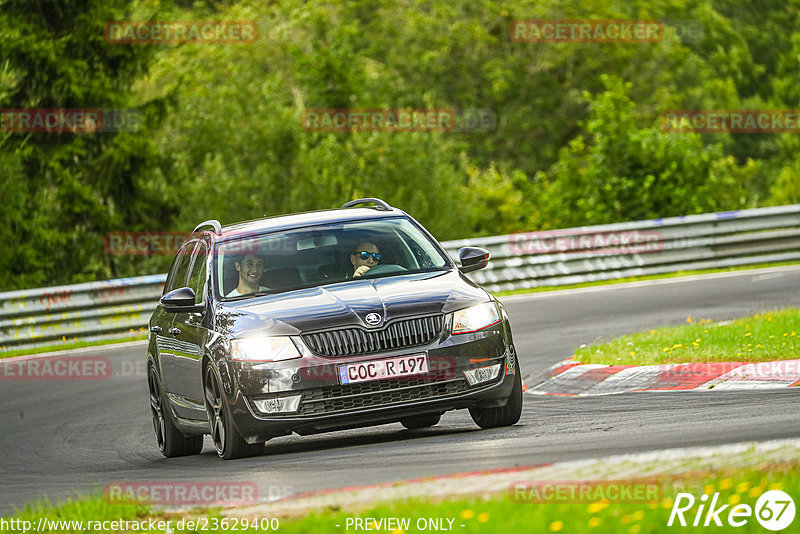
x=499, y=513
x=93, y=508
x=67, y=345
x=677, y=274
x=764, y=337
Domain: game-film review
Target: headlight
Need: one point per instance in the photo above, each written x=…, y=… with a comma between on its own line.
x=264, y=349
x=475, y=318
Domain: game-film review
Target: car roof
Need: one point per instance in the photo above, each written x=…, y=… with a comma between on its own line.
x=309, y=218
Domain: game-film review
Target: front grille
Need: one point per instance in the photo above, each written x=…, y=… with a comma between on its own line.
x=356, y=341
x=323, y=401
x=376, y=393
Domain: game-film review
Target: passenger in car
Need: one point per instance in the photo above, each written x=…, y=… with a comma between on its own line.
x=364, y=257
x=250, y=270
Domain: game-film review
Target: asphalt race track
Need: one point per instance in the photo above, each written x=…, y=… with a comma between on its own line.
x=71, y=437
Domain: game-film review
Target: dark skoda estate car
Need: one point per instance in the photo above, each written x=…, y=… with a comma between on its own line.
x=323, y=321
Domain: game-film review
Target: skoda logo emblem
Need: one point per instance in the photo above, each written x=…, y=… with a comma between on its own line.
x=373, y=319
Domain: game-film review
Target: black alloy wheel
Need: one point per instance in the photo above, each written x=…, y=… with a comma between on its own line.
x=227, y=441
x=171, y=441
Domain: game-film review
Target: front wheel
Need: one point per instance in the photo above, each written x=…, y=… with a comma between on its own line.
x=227, y=440
x=504, y=415
x=171, y=441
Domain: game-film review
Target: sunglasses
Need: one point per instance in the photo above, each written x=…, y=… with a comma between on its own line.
x=364, y=255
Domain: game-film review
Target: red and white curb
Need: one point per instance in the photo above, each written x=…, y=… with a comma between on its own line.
x=571, y=378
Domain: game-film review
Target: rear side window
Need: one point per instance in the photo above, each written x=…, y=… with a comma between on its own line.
x=179, y=273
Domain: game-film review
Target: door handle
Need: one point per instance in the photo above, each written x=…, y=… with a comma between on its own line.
x=174, y=331
x=156, y=329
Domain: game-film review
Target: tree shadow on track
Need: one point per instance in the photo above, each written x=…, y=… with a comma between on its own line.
x=343, y=439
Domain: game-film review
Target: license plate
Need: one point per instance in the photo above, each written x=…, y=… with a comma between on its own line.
x=383, y=369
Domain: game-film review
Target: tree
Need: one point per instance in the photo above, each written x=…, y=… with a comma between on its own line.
x=65, y=190
x=621, y=172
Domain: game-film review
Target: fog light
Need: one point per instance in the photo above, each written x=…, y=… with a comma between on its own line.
x=482, y=374
x=511, y=362
x=278, y=405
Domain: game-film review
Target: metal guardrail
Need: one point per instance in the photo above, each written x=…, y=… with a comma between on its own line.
x=82, y=312
x=595, y=253
x=116, y=308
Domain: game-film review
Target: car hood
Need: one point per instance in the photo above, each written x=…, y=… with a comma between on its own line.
x=348, y=303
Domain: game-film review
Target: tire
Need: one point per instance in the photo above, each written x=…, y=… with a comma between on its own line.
x=227, y=440
x=421, y=421
x=504, y=415
x=171, y=441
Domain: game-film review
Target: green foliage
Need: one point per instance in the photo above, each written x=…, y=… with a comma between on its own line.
x=633, y=173
x=767, y=336
x=65, y=190
x=577, y=139
x=786, y=189
x=530, y=504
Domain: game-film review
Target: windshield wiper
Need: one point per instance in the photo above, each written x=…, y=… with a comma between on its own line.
x=237, y=297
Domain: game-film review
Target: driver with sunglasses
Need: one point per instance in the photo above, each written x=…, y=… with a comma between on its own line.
x=364, y=257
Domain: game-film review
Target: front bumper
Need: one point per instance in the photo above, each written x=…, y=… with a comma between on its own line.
x=327, y=405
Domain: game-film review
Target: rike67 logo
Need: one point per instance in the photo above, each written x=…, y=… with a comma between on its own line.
x=774, y=510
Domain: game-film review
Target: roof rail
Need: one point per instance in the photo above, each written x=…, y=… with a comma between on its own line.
x=212, y=223
x=381, y=204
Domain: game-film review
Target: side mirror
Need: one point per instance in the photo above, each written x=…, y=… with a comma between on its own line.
x=180, y=301
x=473, y=258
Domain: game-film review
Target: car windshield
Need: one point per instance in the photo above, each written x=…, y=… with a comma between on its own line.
x=256, y=264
